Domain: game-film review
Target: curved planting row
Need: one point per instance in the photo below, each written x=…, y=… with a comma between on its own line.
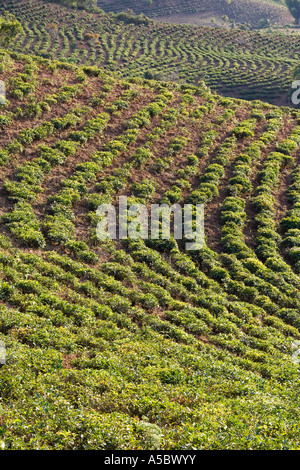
x=249, y=65
x=138, y=343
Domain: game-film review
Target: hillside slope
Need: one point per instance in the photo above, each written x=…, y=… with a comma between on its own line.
x=236, y=63
x=139, y=344
x=197, y=11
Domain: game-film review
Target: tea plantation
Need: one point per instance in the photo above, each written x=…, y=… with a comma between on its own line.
x=242, y=64
x=139, y=344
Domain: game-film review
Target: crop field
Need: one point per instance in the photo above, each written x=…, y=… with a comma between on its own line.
x=241, y=64
x=139, y=344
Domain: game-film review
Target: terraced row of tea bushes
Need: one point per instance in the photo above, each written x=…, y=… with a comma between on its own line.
x=248, y=12
x=22, y=221
x=23, y=86
x=59, y=226
x=115, y=270
x=36, y=109
x=108, y=187
x=29, y=136
x=213, y=174
x=145, y=254
x=248, y=64
x=266, y=236
x=208, y=299
x=277, y=296
x=125, y=344
x=36, y=284
x=290, y=224
x=98, y=342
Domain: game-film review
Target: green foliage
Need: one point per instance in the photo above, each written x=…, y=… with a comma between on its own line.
x=9, y=29
x=122, y=344
x=219, y=56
